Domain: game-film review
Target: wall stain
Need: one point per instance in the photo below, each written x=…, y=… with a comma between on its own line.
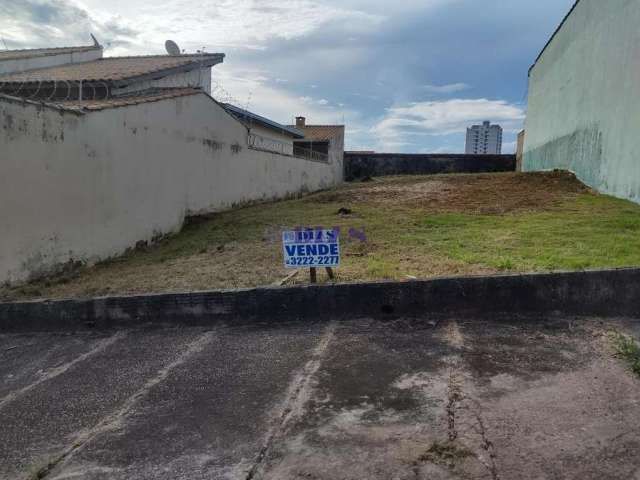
x=212, y=144
x=236, y=148
x=580, y=152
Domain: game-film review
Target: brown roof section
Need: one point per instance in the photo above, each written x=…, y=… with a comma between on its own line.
x=321, y=133
x=127, y=100
x=44, y=52
x=114, y=69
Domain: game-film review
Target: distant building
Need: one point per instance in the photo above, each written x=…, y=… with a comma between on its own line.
x=485, y=139
x=323, y=143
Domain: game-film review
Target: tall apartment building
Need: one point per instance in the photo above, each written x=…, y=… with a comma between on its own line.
x=485, y=139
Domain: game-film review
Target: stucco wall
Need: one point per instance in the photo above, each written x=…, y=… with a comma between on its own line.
x=584, y=99
x=22, y=64
x=87, y=187
x=269, y=139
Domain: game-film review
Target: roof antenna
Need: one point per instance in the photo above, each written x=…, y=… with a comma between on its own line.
x=96, y=43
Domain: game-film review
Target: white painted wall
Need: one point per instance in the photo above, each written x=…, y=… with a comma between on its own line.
x=269, y=139
x=87, y=187
x=22, y=64
x=584, y=99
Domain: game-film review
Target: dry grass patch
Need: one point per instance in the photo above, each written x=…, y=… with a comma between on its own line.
x=414, y=226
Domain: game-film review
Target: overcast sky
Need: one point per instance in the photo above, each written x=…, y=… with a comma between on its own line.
x=404, y=75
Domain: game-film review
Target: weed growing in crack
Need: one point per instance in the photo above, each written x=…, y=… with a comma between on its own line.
x=448, y=453
x=628, y=349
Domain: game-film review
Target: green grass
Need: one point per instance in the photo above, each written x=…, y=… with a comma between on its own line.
x=587, y=232
x=405, y=238
x=628, y=349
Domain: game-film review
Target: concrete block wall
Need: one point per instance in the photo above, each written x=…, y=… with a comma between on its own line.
x=359, y=165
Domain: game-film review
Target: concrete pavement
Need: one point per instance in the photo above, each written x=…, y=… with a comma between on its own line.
x=420, y=398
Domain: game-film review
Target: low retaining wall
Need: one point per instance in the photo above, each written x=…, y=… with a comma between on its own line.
x=591, y=293
x=359, y=165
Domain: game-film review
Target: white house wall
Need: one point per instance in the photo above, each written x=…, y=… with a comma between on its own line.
x=269, y=139
x=87, y=187
x=22, y=64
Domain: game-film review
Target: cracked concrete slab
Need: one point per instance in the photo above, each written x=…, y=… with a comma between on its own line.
x=500, y=398
x=43, y=423
x=209, y=417
x=466, y=399
x=25, y=359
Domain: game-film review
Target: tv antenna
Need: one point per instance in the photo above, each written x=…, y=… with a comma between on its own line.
x=172, y=47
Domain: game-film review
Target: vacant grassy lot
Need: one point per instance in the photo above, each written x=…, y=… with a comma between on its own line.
x=414, y=227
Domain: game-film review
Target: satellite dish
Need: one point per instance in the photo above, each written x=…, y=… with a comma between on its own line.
x=172, y=47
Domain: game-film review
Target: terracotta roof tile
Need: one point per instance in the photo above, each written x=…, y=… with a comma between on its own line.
x=113, y=68
x=43, y=52
x=127, y=100
x=321, y=133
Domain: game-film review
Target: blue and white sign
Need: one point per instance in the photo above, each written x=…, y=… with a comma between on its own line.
x=311, y=248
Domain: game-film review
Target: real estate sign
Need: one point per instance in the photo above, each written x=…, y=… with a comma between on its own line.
x=311, y=248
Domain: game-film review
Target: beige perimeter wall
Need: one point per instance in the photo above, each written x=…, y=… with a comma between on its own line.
x=87, y=187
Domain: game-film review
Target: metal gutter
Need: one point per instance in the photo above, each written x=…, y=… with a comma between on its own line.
x=244, y=115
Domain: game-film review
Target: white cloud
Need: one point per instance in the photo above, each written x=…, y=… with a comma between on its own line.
x=446, y=89
x=40, y=23
x=297, y=57
x=214, y=25
x=225, y=24
x=249, y=89
x=446, y=117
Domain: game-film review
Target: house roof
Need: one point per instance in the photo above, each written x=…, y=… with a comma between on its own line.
x=147, y=96
x=116, y=69
x=321, y=133
x=44, y=52
x=249, y=118
x=86, y=106
x=557, y=30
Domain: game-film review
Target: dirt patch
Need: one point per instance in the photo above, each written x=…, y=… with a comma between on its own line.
x=485, y=194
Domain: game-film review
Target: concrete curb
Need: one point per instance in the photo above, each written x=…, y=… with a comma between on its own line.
x=596, y=293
